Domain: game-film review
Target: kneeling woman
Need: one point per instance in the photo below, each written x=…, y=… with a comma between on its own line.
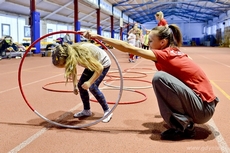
x=96, y=63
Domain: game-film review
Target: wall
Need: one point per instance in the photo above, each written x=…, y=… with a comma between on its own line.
x=16, y=26
x=188, y=30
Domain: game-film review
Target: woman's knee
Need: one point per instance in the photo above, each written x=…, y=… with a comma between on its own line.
x=157, y=77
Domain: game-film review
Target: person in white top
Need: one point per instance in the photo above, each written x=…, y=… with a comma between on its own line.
x=96, y=63
x=67, y=39
x=132, y=41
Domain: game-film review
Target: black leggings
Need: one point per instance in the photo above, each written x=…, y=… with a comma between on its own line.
x=86, y=75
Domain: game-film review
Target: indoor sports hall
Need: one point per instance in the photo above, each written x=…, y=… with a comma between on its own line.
x=155, y=74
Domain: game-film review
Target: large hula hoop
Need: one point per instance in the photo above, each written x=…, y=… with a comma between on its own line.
x=56, y=123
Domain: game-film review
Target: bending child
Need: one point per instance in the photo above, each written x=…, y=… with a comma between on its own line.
x=96, y=63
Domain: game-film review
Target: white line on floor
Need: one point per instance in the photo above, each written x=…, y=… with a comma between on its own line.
x=219, y=138
x=39, y=133
x=30, y=83
x=216, y=61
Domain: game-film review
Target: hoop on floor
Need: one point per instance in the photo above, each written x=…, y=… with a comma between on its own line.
x=53, y=122
x=126, y=102
x=55, y=90
x=144, y=87
x=115, y=76
x=130, y=70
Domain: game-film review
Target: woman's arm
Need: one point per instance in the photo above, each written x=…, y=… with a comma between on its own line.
x=123, y=46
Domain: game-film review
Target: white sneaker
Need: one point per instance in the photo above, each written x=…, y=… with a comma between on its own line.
x=84, y=113
x=107, y=119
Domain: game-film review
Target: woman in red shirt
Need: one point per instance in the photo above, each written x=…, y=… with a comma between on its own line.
x=183, y=91
x=160, y=18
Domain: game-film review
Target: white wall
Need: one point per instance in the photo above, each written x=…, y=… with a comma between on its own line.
x=16, y=26
x=188, y=30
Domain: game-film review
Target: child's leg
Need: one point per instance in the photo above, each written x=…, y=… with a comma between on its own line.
x=97, y=93
x=131, y=56
x=86, y=75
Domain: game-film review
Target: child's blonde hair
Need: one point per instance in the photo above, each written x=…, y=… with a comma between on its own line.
x=70, y=56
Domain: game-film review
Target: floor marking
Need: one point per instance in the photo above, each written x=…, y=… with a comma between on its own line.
x=219, y=138
x=28, y=141
x=29, y=83
x=25, y=69
x=221, y=90
x=215, y=61
x=40, y=132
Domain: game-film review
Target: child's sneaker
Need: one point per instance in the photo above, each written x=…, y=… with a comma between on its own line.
x=106, y=120
x=84, y=113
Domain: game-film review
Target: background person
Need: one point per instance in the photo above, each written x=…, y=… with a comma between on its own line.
x=146, y=40
x=7, y=45
x=67, y=39
x=160, y=18
x=132, y=41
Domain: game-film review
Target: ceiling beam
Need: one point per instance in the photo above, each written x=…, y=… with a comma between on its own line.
x=67, y=4
x=87, y=15
x=101, y=22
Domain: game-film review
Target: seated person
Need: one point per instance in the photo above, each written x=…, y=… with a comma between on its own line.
x=7, y=45
x=67, y=39
x=21, y=47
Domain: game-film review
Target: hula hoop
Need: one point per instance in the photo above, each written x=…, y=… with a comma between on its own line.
x=130, y=70
x=144, y=75
x=53, y=122
x=126, y=102
x=144, y=87
x=54, y=90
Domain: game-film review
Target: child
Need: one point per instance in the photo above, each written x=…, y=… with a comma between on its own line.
x=183, y=91
x=96, y=63
x=138, y=32
x=131, y=41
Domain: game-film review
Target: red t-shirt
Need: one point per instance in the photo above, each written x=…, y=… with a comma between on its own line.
x=176, y=63
x=162, y=22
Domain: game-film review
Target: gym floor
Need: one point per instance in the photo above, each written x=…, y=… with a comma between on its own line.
x=136, y=123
